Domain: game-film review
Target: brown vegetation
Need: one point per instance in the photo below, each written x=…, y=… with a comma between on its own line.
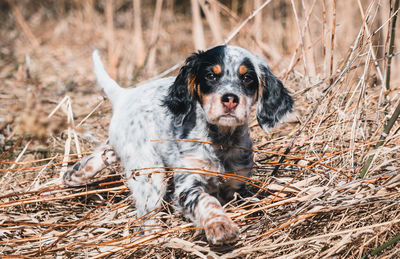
x=334, y=56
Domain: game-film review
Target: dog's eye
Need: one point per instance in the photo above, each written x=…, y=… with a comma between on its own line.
x=211, y=77
x=247, y=79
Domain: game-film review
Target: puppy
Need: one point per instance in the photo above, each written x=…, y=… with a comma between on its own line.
x=188, y=124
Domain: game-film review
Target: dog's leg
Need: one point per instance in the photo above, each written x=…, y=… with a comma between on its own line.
x=204, y=209
x=90, y=165
x=148, y=187
x=240, y=164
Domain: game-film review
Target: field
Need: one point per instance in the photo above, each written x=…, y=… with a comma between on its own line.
x=336, y=193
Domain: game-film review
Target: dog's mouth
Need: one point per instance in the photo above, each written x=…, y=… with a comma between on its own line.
x=229, y=119
x=228, y=116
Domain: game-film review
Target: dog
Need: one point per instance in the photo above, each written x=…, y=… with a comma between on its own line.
x=188, y=124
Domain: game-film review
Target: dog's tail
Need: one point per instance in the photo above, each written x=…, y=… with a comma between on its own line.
x=110, y=87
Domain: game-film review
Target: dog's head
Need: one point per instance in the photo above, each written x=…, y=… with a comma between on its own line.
x=226, y=81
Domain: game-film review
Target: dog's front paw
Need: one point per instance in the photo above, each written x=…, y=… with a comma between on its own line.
x=221, y=230
x=73, y=176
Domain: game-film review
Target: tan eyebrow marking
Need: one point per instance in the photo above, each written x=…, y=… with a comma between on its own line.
x=242, y=69
x=217, y=69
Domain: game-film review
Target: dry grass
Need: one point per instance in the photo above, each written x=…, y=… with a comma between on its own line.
x=316, y=206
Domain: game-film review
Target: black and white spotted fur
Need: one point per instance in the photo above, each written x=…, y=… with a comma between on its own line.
x=209, y=100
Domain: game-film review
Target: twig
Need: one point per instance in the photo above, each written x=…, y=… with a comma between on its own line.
x=382, y=139
x=112, y=58
x=154, y=34
x=11, y=150
x=309, y=42
x=365, y=19
x=333, y=38
x=285, y=225
x=385, y=245
x=58, y=106
x=197, y=25
x=91, y=112
x=40, y=173
x=146, y=60
x=41, y=160
x=71, y=122
x=391, y=46
x=300, y=39
x=138, y=34
x=257, y=33
x=251, y=16
x=189, y=247
x=25, y=27
x=212, y=20
x=17, y=160
x=294, y=61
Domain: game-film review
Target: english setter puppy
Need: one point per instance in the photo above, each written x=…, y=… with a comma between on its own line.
x=209, y=101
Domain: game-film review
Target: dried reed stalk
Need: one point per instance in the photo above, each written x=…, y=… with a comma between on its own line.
x=236, y=30
x=364, y=17
x=24, y=25
x=383, y=247
x=112, y=57
x=258, y=19
x=154, y=35
x=197, y=25
x=211, y=14
x=308, y=42
x=138, y=34
x=391, y=45
x=332, y=37
x=88, y=9
x=388, y=126
x=328, y=32
x=301, y=41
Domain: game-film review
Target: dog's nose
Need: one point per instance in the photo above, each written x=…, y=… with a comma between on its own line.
x=230, y=101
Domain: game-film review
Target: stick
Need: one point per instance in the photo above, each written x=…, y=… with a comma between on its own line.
x=388, y=243
x=24, y=26
x=237, y=29
x=112, y=59
x=18, y=158
x=382, y=139
x=198, y=33
x=154, y=34
x=138, y=34
x=300, y=39
x=365, y=18
x=332, y=38
x=391, y=46
x=212, y=20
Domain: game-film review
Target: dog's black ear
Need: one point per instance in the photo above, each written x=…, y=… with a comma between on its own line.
x=180, y=99
x=274, y=101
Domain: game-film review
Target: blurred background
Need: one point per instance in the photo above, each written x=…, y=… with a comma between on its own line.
x=143, y=38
